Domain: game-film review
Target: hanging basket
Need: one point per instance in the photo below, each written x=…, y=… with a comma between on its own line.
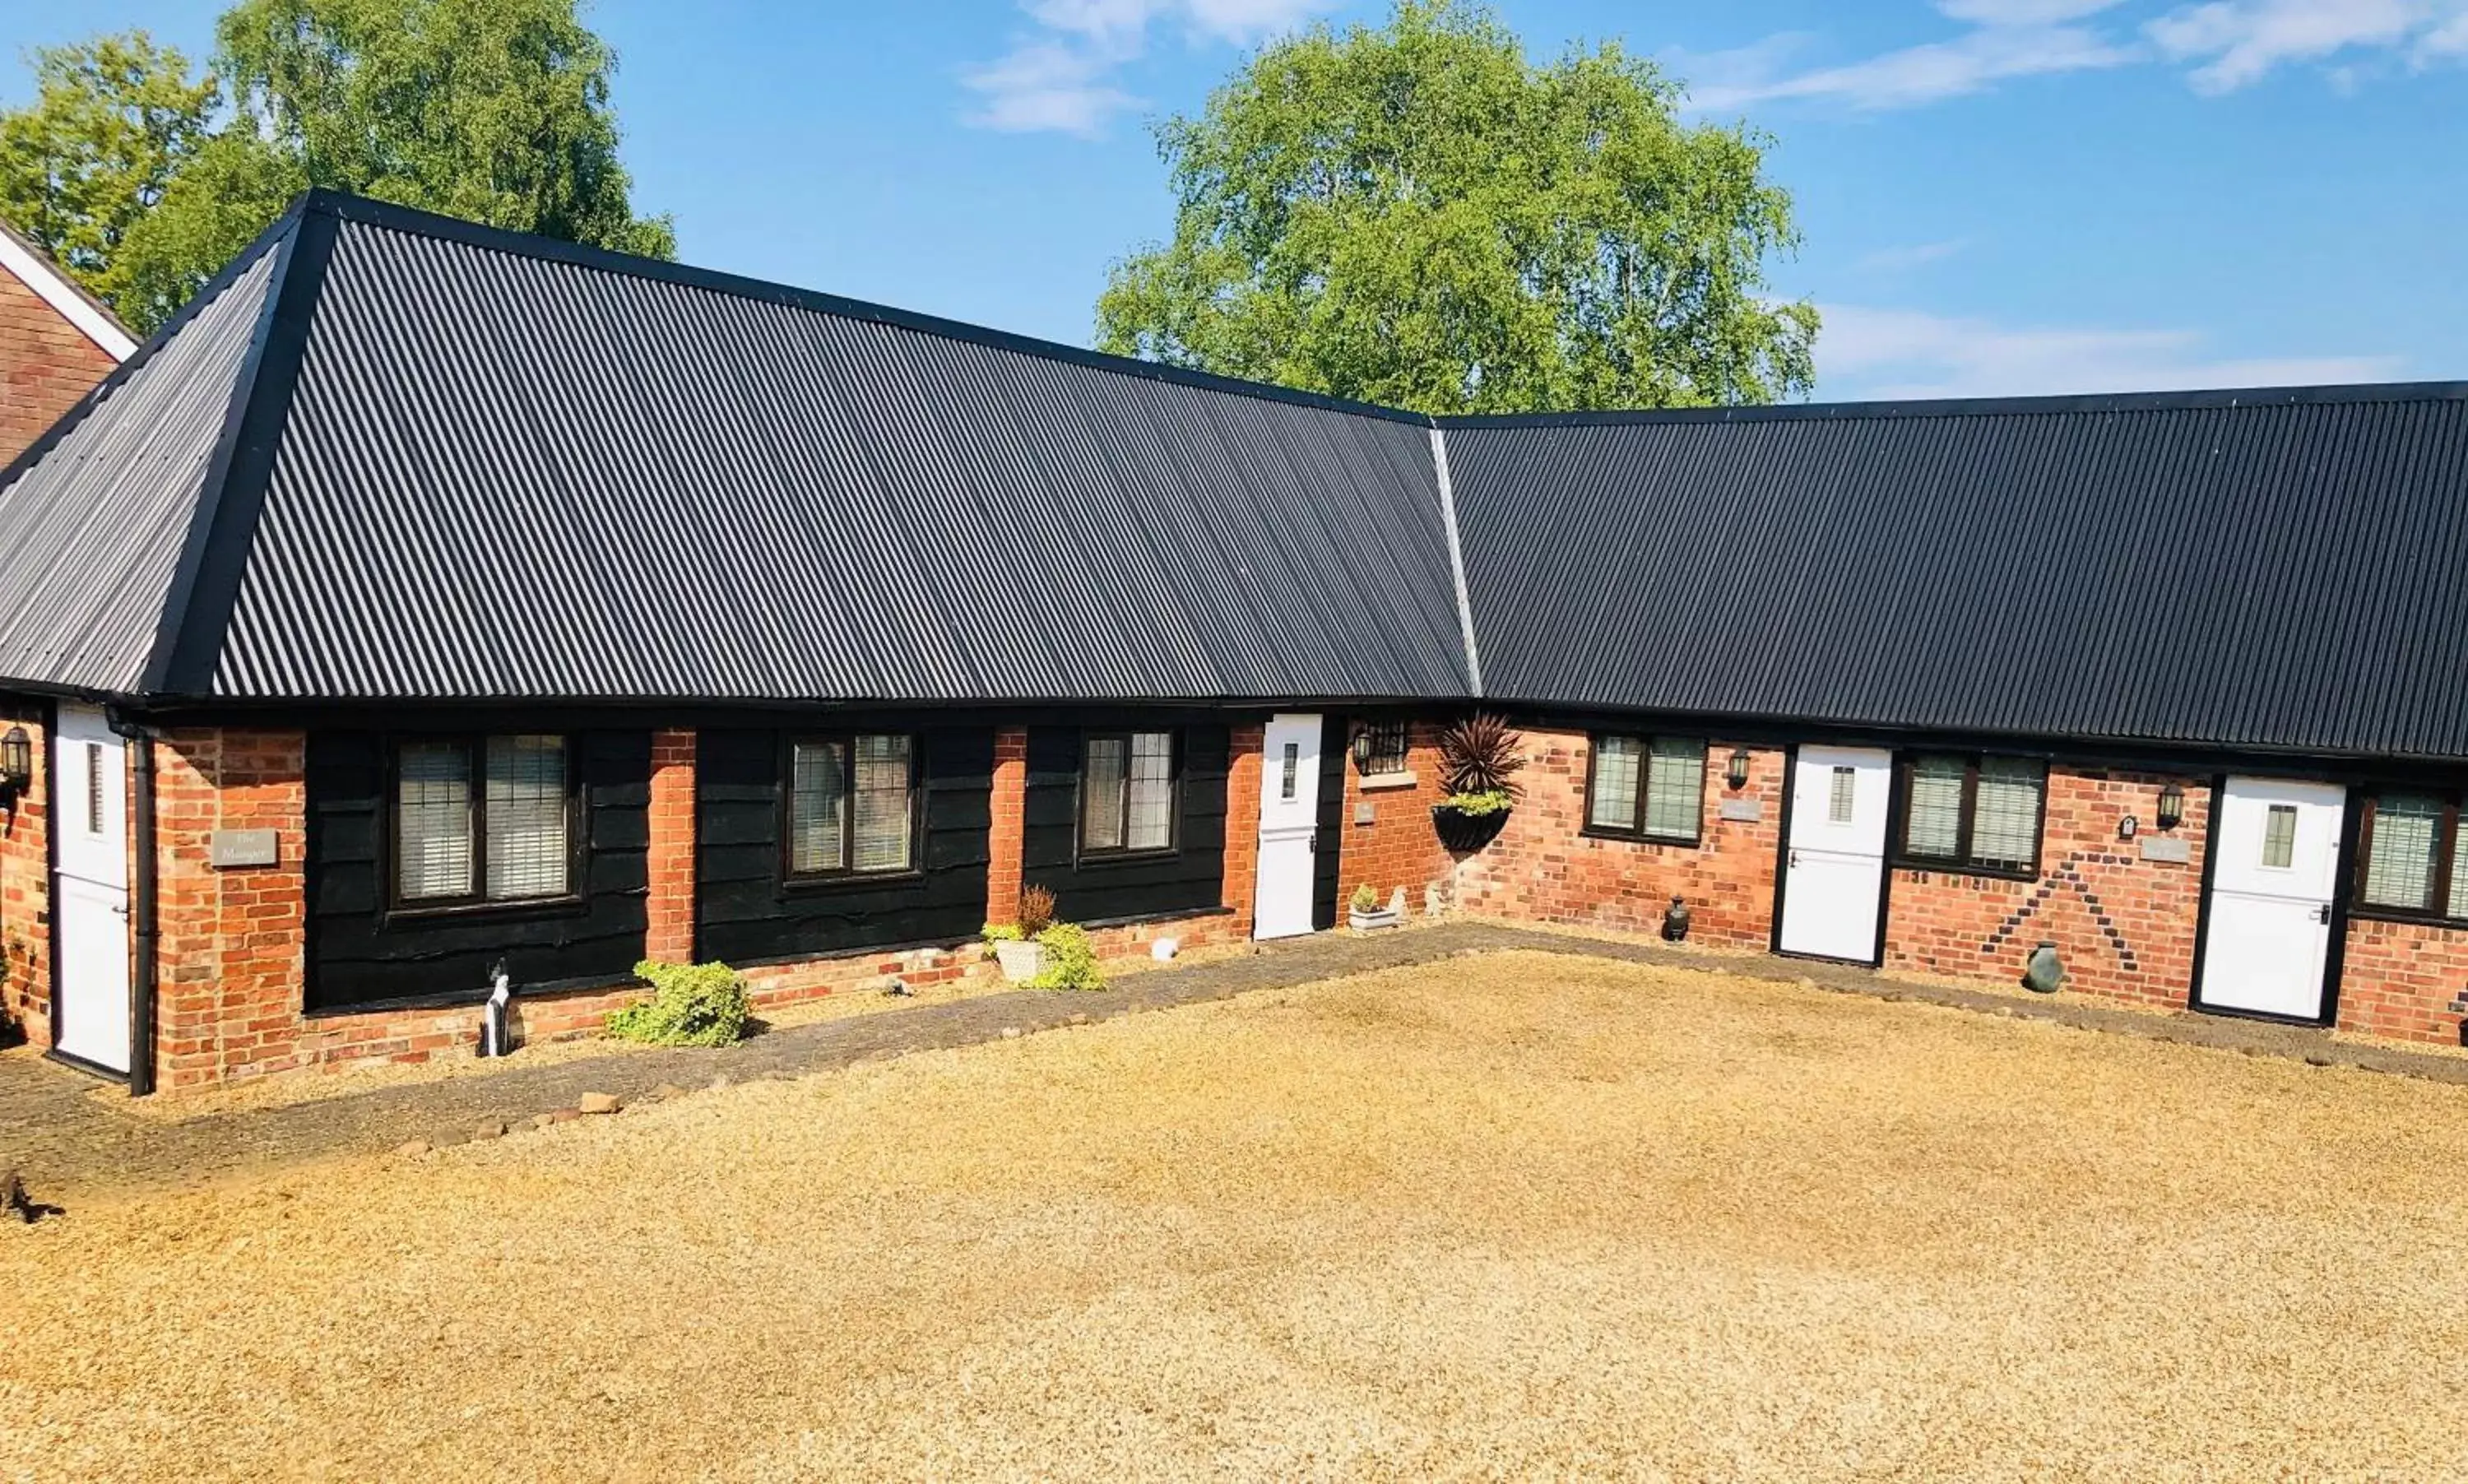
x=1465, y=834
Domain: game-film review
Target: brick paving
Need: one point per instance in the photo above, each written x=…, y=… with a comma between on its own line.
x=66, y=1142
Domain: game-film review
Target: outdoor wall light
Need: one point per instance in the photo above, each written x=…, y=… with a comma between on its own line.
x=1362, y=748
x=2172, y=806
x=1737, y=774
x=16, y=764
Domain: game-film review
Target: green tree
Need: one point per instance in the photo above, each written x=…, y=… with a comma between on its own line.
x=113, y=122
x=1419, y=216
x=144, y=183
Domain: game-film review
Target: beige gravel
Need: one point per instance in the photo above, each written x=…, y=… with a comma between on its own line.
x=1512, y=1217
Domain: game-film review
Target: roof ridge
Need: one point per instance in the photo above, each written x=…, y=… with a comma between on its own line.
x=347, y=207
x=2330, y=394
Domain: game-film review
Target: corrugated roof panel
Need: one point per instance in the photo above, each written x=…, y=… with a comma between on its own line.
x=509, y=475
x=95, y=528
x=2280, y=574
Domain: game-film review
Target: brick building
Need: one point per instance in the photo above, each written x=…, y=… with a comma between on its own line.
x=56, y=342
x=463, y=599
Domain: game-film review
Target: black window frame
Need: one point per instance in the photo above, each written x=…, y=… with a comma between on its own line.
x=477, y=902
x=2368, y=809
x=1398, y=759
x=847, y=873
x=1636, y=829
x=1081, y=851
x=1962, y=862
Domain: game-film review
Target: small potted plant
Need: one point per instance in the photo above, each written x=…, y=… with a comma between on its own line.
x=1479, y=763
x=1015, y=943
x=1365, y=913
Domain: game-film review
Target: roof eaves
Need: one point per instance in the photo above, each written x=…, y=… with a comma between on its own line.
x=59, y=288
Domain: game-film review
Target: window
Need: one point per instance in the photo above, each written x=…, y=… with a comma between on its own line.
x=852, y=806
x=1652, y=787
x=481, y=820
x=93, y=788
x=1973, y=813
x=1127, y=795
x=1841, y=793
x=1387, y=754
x=2412, y=859
x=2279, y=837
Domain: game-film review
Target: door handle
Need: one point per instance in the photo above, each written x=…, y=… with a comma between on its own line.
x=2322, y=914
x=1794, y=858
x=120, y=909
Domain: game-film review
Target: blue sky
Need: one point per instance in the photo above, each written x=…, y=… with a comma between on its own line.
x=1998, y=195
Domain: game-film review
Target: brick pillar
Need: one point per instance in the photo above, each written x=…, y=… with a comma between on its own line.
x=1243, y=823
x=26, y=888
x=669, y=933
x=1005, y=840
x=231, y=963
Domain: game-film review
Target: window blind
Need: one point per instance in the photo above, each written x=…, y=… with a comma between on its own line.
x=1934, y=824
x=433, y=820
x=526, y=817
x=1101, y=796
x=883, y=804
x=1149, y=810
x=2005, y=819
x=818, y=805
x=2400, y=870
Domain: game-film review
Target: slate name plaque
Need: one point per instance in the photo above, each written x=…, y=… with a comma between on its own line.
x=229, y=847
x=2161, y=846
x=1744, y=810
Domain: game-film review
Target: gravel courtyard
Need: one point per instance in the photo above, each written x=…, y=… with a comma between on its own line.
x=1507, y=1217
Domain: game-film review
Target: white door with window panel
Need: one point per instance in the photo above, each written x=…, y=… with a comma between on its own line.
x=2274, y=868
x=1834, y=872
x=1289, y=818
x=90, y=889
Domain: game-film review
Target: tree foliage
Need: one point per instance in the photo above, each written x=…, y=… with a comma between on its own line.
x=1417, y=216
x=144, y=183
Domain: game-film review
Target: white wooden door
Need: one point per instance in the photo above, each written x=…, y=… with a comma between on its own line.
x=1288, y=817
x=2274, y=867
x=1834, y=872
x=90, y=889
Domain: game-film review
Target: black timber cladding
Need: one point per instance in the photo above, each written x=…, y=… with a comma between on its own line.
x=515, y=471
x=2274, y=571
x=359, y=953
x=1189, y=877
x=748, y=912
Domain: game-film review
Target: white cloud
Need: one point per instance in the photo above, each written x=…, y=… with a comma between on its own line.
x=1906, y=354
x=1060, y=78
x=2007, y=39
x=2240, y=41
x=1915, y=255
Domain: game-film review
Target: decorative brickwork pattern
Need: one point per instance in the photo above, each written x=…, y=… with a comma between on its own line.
x=46, y=364
x=1004, y=837
x=26, y=889
x=1244, y=745
x=2124, y=925
x=669, y=933
x=1545, y=867
x=1397, y=845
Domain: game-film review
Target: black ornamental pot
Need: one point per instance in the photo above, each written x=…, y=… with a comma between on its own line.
x=1464, y=834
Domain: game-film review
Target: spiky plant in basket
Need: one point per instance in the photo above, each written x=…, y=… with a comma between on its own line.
x=1479, y=759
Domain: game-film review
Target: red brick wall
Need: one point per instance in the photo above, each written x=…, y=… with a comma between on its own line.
x=2124, y=925
x=2404, y=980
x=231, y=966
x=1245, y=744
x=669, y=930
x=26, y=888
x=1542, y=867
x=1397, y=846
x=46, y=364
x=1003, y=839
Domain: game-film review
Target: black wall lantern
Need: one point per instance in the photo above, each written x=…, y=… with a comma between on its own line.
x=16, y=764
x=1737, y=774
x=2172, y=806
x=1362, y=748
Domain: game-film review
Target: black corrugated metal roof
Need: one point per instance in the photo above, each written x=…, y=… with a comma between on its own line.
x=2268, y=570
x=397, y=456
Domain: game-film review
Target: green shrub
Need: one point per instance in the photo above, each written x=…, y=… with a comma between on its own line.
x=1365, y=899
x=1002, y=932
x=691, y=1005
x=1070, y=960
